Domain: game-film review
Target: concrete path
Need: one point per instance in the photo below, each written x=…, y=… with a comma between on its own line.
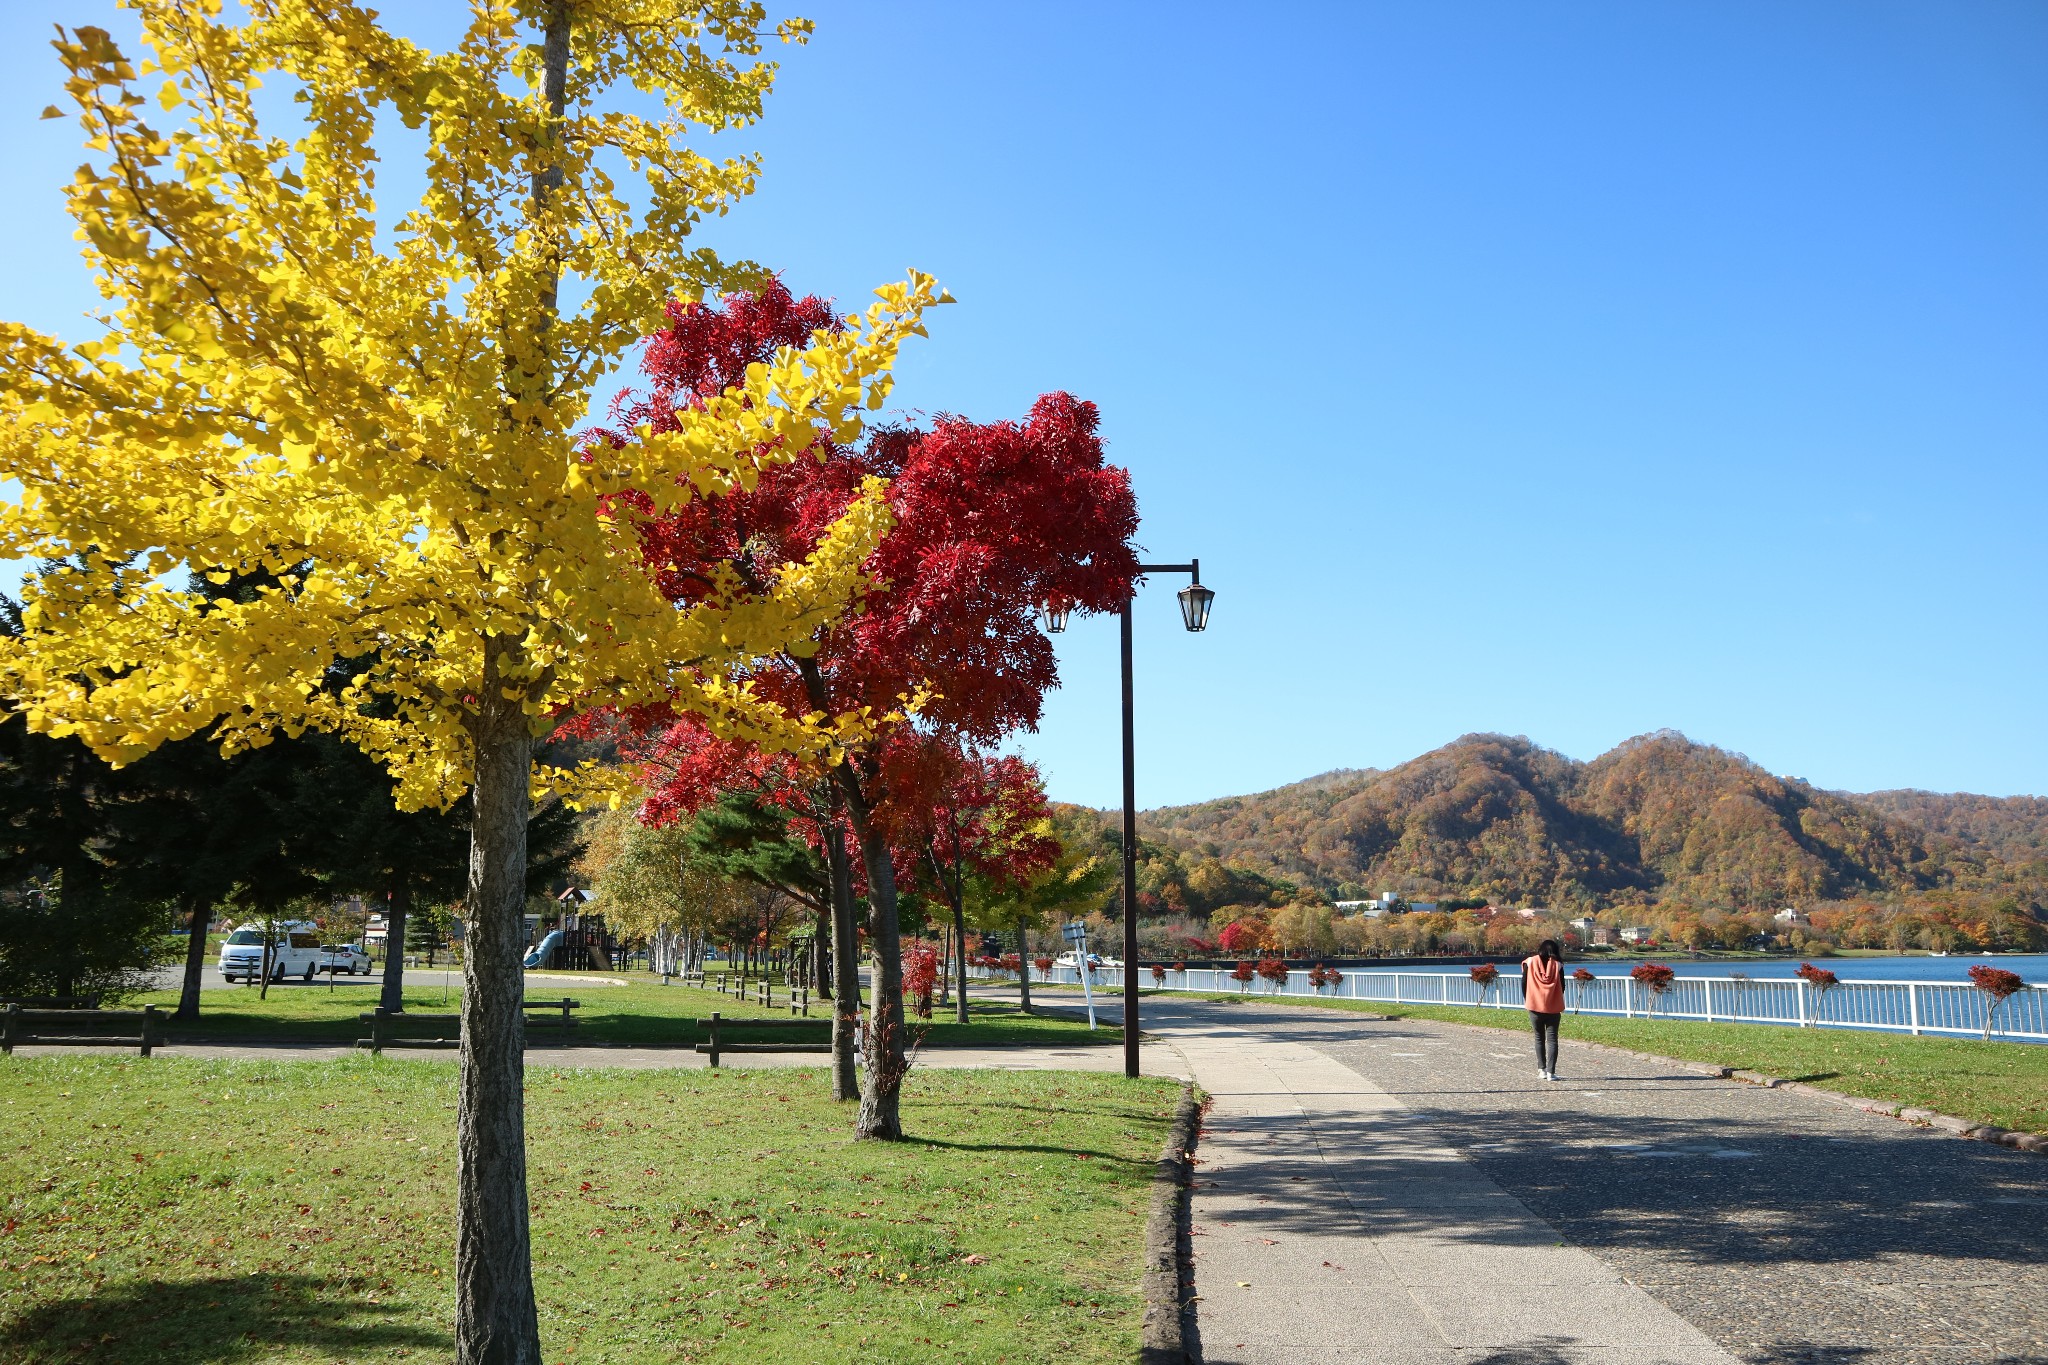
x=1400, y=1191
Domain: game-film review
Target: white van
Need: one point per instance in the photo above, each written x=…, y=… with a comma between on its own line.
x=295, y=951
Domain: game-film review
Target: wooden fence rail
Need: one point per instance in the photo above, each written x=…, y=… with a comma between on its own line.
x=446, y=1029
x=717, y=1044
x=142, y=1029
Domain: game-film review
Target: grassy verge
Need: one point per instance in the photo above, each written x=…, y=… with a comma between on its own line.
x=640, y=1014
x=176, y=1210
x=2001, y=1083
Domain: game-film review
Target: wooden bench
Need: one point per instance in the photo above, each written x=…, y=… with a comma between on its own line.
x=52, y=1002
x=717, y=1043
x=141, y=1028
x=448, y=1027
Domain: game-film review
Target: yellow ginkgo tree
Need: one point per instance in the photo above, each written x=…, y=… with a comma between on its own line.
x=363, y=426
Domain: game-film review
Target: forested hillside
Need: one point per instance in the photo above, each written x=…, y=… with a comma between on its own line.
x=1657, y=819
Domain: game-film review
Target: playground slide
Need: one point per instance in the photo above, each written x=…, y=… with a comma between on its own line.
x=601, y=957
x=539, y=956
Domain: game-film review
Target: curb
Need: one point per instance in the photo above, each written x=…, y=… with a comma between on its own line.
x=1161, y=1341
x=2036, y=1143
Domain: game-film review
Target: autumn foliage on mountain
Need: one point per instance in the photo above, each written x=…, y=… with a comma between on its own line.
x=1658, y=819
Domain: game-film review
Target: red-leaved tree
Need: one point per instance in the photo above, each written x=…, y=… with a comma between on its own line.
x=1998, y=985
x=961, y=815
x=991, y=519
x=1655, y=978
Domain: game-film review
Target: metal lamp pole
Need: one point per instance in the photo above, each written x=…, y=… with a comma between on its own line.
x=1195, y=601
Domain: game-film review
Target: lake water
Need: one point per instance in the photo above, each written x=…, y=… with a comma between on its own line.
x=2033, y=967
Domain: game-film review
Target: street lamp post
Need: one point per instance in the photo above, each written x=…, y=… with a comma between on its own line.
x=1195, y=601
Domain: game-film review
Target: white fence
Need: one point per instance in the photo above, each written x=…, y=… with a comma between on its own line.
x=1916, y=1007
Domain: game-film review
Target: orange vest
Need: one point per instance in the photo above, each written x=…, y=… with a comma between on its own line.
x=1542, y=985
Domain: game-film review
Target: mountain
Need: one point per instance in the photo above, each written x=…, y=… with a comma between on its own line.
x=1658, y=818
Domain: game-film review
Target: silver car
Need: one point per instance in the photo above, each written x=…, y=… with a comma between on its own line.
x=344, y=959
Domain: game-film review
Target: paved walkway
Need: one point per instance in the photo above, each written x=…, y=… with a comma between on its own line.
x=1401, y=1191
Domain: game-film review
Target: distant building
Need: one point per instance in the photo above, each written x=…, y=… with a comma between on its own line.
x=1638, y=933
x=1422, y=907
x=1790, y=915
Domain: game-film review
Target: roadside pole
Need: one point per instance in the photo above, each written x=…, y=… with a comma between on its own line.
x=1076, y=933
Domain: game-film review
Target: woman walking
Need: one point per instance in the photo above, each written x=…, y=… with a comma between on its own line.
x=1543, y=995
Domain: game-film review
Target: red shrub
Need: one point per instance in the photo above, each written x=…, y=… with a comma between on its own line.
x=920, y=975
x=1158, y=973
x=1998, y=984
x=1582, y=975
x=1654, y=977
x=1242, y=974
x=1820, y=978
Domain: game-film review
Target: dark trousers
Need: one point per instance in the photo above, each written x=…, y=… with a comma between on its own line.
x=1546, y=1039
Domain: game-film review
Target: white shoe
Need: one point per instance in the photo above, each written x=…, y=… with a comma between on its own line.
x=1542, y=1075
x=1553, y=1076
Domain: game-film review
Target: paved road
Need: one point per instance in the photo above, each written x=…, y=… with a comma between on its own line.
x=1400, y=1191
x=210, y=979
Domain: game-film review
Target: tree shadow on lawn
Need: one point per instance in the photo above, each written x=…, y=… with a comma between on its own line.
x=913, y=1139
x=221, y=1319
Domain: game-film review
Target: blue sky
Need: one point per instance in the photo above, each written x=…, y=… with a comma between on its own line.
x=1569, y=370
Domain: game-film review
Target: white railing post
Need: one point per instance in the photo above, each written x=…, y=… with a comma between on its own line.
x=1628, y=997
x=1801, y=984
x=1707, y=984
x=1913, y=1006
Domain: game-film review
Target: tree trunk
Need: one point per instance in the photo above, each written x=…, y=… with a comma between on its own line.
x=269, y=953
x=195, y=964
x=495, y=1318
x=960, y=950
x=396, y=908
x=879, y=1117
x=845, y=967
x=1023, y=968
x=821, y=970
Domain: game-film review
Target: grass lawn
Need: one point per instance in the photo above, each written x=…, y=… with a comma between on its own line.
x=179, y=1210
x=645, y=1014
x=2001, y=1083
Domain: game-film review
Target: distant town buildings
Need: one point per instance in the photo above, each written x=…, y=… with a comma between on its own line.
x=1638, y=933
